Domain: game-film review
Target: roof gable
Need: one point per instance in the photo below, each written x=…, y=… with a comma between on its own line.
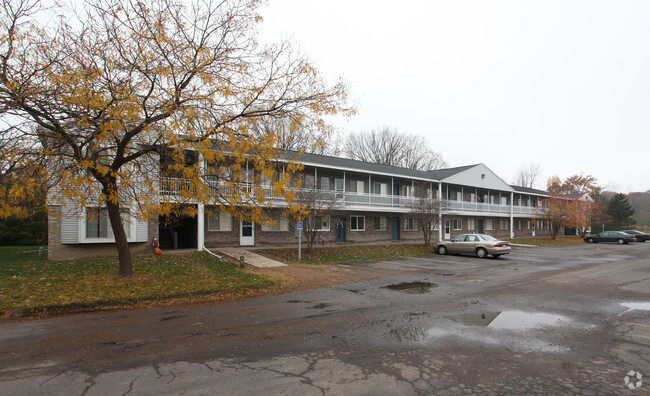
x=479, y=176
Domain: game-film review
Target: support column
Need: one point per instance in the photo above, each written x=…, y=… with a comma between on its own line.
x=200, y=234
x=440, y=214
x=512, y=215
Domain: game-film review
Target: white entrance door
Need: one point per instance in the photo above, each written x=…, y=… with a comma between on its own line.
x=447, y=229
x=247, y=233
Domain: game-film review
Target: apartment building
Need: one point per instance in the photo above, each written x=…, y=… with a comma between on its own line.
x=366, y=202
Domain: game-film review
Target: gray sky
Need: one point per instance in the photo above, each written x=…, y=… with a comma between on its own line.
x=564, y=84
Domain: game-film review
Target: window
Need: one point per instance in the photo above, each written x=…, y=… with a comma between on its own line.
x=380, y=188
x=504, y=224
x=504, y=200
x=98, y=224
x=528, y=225
x=324, y=183
x=338, y=184
x=275, y=222
x=406, y=191
x=219, y=222
x=357, y=223
x=381, y=223
x=471, y=224
x=489, y=224
x=459, y=196
x=410, y=224
x=540, y=225
x=323, y=223
x=458, y=224
x=519, y=225
x=361, y=187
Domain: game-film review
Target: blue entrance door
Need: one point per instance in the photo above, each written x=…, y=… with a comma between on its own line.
x=480, y=226
x=339, y=229
x=395, y=228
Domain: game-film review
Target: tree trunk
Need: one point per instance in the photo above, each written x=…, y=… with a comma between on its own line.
x=121, y=243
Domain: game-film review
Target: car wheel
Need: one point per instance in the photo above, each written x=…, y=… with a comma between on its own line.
x=496, y=256
x=482, y=253
x=590, y=240
x=621, y=241
x=442, y=250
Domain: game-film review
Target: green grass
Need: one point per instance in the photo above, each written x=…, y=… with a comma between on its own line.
x=560, y=240
x=30, y=284
x=341, y=254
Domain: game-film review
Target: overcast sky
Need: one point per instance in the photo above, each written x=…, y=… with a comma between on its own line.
x=565, y=84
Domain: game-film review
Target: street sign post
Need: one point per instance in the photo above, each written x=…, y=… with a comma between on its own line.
x=299, y=228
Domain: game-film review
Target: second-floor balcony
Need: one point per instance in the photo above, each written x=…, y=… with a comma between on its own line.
x=482, y=207
x=170, y=187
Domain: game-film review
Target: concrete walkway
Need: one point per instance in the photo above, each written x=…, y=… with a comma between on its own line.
x=250, y=258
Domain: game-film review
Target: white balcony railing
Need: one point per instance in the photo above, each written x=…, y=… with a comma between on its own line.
x=173, y=186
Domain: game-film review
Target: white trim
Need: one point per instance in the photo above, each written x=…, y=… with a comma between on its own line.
x=82, y=227
x=358, y=229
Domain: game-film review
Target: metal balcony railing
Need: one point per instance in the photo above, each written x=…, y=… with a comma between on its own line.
x=175, y=186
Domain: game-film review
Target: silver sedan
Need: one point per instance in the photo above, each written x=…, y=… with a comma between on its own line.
x=474, y=244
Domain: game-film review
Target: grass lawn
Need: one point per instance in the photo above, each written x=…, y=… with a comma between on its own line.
x=30, y=284
x=341, y=254
x=560, y=240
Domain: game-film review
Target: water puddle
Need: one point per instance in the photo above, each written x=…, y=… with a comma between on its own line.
x=412, y=287
x=519, y=320
x=641, y=306
x=321, y=306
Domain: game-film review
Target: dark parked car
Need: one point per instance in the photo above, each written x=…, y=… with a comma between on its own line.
x=640, y=236
x=475, y=244
x=611, y=236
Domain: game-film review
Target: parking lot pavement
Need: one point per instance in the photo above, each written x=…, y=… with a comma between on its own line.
x=560, y=320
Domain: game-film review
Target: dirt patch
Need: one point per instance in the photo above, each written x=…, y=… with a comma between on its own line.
x=297, y=277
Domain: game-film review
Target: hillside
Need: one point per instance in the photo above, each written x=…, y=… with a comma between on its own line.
x=641, y=203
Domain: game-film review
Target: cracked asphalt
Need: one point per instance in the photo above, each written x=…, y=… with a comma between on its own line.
x=556, y=320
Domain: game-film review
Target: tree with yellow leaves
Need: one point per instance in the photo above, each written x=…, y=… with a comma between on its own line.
x=114, y=87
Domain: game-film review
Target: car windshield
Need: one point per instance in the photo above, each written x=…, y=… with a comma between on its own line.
x=487, y=237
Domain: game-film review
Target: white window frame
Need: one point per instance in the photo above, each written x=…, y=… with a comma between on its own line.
x=382, y=225
x=354, y=222
x=324, y=225
x=280, y=223
x=489, y=224
x=457, y=224
x=410, y=224
x=219, y=218
x=471, y=224
x=83, y=226
x=503, y=224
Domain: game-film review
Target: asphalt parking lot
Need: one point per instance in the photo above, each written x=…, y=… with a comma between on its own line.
x=556, y=320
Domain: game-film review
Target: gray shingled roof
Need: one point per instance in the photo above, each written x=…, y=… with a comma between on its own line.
x=441, y=174
x=354, y=165
x=528, y=190
x=336, y=162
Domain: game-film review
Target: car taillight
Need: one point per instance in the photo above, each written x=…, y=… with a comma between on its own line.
x=502, y=245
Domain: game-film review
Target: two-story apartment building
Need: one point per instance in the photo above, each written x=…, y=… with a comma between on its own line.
x=366, y=202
